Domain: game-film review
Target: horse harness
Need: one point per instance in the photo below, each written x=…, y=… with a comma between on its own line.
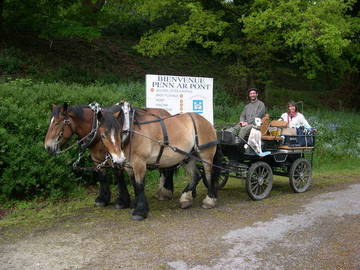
x=86, y=141
x=165, y=142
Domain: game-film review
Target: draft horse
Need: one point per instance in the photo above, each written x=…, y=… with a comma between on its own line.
x=81, y=120
x=178, y=139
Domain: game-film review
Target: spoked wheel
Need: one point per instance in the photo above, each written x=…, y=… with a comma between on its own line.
x=223, y=177
x=300, y=175
x=259, y=180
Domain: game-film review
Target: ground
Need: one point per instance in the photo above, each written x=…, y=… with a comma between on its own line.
x=318, y=229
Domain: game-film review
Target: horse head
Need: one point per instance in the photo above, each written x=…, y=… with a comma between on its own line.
x=60, y=129
x=110, y=131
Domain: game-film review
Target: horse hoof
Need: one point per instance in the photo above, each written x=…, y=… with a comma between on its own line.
x=121, y=206
x=100, y=204
x=137, y=217
x=163, y=194
x=207, y=206
x=160, y=197
x=208, y=203
x=185, y=205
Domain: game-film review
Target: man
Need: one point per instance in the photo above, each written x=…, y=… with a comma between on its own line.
x=254, y=109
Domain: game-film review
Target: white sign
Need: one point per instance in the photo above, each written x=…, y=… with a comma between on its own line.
x=178, y=94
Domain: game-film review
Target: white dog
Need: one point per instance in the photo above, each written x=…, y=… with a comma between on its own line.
x=254, y=140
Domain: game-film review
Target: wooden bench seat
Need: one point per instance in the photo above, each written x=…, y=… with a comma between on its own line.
x=272, y=138
x=287, y=147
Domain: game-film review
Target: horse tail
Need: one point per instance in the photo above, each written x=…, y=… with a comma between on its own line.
x=218, y=162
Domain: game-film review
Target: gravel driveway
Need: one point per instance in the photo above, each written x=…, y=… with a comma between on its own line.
x=319, y=229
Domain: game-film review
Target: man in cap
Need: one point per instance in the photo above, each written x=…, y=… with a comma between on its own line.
x=254, y=109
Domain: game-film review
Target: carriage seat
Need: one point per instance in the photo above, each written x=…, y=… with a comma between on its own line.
x=226, y=137
x=278, y=125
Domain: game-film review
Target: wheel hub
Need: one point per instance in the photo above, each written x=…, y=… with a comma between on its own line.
x=261, y=181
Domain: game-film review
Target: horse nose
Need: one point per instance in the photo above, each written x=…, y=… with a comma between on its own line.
x=118, y=159
x=51, y=150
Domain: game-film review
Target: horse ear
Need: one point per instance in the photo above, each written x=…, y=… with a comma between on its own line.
x=52, y=107
x=64, y=108
x=116, y=114
x=99, y=116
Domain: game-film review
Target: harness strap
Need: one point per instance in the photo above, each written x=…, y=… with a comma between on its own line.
x=163, y=129
x=165, y=143
x=196, y=134
x=155, y=120
x=202, y=146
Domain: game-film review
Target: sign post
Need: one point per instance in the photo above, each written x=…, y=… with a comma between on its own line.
x=178, y=94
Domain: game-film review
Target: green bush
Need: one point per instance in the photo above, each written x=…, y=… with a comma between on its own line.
x=10, y=61
x=26, y=169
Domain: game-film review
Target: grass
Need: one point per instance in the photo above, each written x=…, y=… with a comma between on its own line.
x=38, y=214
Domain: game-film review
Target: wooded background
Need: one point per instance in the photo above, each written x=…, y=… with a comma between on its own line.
x=301, y=44
x=79, y=51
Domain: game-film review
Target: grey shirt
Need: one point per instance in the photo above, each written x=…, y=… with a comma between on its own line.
x=253, y=110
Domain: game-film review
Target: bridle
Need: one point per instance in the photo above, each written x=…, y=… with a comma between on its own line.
x=84, y=142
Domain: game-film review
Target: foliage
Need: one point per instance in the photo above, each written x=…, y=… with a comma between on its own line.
x=196, y=29
x=312, y=35
x=51, y=19
x=26, y=170
x=338, y=139
x=10, y=62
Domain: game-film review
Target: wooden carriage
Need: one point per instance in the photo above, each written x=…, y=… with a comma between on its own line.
x=285, y=158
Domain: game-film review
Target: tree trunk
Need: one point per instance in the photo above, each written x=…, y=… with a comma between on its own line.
x=92, y=9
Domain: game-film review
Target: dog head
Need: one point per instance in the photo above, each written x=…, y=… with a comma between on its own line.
x=257, y=122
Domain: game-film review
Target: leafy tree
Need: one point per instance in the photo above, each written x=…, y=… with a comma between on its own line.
x=53, y=18
x=315, y=36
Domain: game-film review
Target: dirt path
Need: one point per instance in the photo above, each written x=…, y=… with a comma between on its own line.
x=319, y=229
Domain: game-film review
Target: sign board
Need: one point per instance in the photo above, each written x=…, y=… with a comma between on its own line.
x=178, y=94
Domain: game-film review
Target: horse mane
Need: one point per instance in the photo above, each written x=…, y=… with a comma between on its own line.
x=109, y=120
x=78, y=110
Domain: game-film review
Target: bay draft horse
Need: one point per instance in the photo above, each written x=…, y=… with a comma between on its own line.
x=81, y=120
x=182, y=138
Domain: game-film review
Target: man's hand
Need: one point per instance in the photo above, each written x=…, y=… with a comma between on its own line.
x=243, y=123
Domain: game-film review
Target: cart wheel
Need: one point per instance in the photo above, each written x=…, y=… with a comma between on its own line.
x=223, y=178
x=300, y=175
x=221, y=181
x=259, y=180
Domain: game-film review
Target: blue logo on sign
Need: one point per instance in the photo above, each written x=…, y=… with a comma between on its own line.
x=198, y=106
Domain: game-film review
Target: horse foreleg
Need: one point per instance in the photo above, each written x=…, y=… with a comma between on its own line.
x=141, y=207
x=166, y=184
x=104, y=196
x=189, y=192
x=123, y=199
